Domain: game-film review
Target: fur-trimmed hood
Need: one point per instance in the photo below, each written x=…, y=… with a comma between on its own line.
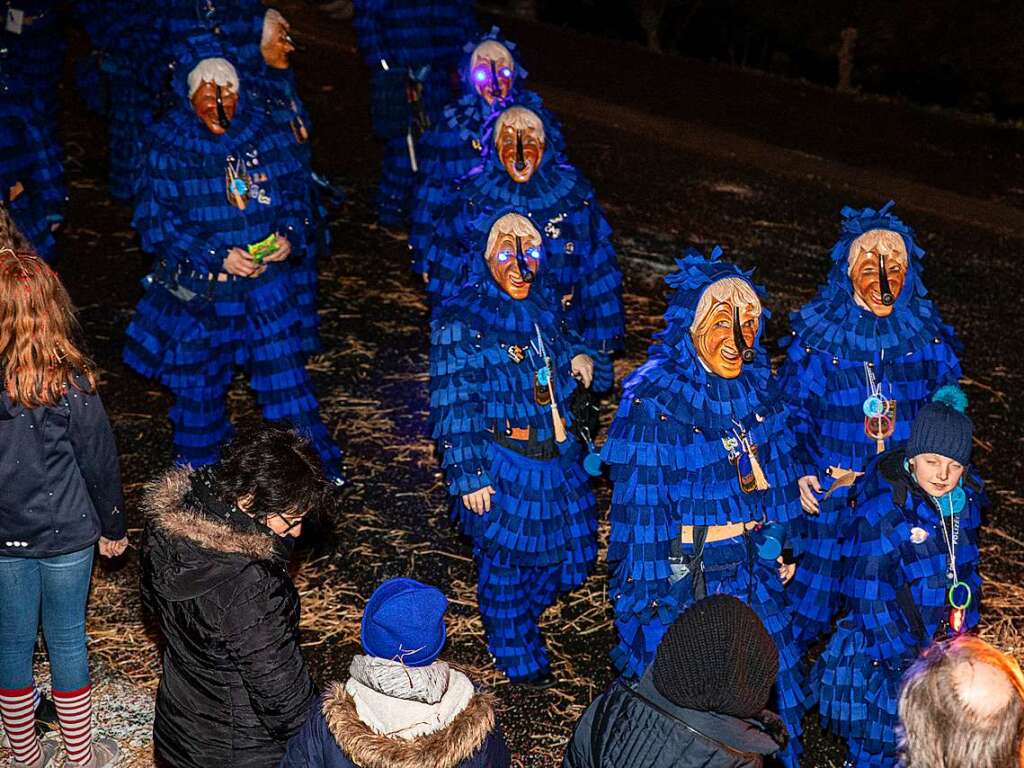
x=190, y=553
x=447, y=748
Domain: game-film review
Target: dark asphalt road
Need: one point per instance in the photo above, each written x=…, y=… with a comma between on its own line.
x=759, y=165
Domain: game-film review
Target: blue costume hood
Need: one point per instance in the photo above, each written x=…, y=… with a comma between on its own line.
x=833, y=322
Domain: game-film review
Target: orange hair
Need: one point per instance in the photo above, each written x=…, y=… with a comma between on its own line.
x=38, y=356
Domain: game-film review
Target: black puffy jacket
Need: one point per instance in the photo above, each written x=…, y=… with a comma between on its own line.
x=235, y=686
x=640, y=728
x=60, y=485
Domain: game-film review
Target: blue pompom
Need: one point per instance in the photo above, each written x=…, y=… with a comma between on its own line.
x=953, y=396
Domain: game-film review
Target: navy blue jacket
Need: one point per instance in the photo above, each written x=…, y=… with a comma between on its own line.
x=335, y=737
x=60, y=483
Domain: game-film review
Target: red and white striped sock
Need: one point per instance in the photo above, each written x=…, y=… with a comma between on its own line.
x=74, y=711
x=18, y=710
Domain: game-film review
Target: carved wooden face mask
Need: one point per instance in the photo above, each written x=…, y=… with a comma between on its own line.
x=278, y=46
x=521, y=151
x=215, y=106
x=492, y=77
x=514, y=255
x=724, y=336
x=878, y=270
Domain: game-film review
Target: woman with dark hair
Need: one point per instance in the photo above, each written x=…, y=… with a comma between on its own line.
x=235, y=686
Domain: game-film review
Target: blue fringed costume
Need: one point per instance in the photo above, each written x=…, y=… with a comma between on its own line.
x=32, y=49
x=201, y=195
x=582, y=269
x=30, y=178
x=677, y=452
x=420, y=39
x=894, y=597
x=454, y=145
x=495, y=429
x=835, y=348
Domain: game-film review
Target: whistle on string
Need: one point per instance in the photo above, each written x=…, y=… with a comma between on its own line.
x=747, y=353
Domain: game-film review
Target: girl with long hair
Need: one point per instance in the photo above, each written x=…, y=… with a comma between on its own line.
x=60, y=494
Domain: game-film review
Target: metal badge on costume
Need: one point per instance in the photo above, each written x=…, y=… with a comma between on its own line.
x=879, y=411
x=743, y=456
x=241, y=186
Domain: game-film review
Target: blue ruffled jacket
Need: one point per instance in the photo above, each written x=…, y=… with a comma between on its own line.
x=889, y=585
x=668, y=464
x=31, y=178
x=580, y=257
x=911, y=353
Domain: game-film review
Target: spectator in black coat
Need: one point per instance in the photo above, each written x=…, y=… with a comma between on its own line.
x=401, y=707
x=60, y=495
x=235, y=687
x=700, y=703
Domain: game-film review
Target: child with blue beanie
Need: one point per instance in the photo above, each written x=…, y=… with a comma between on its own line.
x=401, y=705
x=910, y=575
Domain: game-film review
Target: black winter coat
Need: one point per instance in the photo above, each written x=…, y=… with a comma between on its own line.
x=60, y=484
x=235, y=687
x=627, y=728
x=335, y=737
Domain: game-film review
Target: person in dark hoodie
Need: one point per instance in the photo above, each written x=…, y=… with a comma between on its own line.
x=401, y=707
x=235, y=686
x=700, y=703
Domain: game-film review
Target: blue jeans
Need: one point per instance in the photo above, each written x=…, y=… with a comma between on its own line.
x=58, y=588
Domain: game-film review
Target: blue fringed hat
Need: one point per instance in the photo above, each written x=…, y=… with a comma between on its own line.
x=857, y=222
x=404, y=621
x=694, y=274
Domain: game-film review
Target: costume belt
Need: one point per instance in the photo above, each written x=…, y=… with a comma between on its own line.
x=522, y=440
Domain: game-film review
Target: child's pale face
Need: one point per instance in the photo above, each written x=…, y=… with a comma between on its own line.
x=937, y=475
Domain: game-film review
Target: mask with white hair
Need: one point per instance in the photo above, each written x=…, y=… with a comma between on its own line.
x=877, y=266
x=519, y=142
x=513, y=254
x=276, y=43
x=213, y=91
x=725, y=326
x=492, y=70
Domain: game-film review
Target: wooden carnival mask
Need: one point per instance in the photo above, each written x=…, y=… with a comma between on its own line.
x=514, y=254
x=519, y=142
x=877, y=265
x=213, y=91
x=725, y=326
x=492, y=70
x=276, y=44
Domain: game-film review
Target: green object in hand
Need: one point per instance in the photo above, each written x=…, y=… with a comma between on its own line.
x=259, y=251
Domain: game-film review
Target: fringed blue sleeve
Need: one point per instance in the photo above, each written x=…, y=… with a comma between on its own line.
x=601, y=287
x=801, y=384
x=637, y=452
x=457, y=414
x=163, y=231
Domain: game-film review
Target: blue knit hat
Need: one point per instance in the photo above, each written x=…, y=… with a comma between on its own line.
x=404, y=621
x=942, y=427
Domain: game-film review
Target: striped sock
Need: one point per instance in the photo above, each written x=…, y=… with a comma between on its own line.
x=17, y=708
x=74, y=710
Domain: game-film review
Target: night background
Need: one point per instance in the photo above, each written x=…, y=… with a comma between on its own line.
x=699, y=123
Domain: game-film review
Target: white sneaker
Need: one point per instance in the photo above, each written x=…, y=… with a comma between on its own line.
x=105, y=754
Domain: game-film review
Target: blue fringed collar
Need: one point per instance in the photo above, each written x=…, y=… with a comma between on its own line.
x=182, y=130
x=487, y=309
x=556, y=183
